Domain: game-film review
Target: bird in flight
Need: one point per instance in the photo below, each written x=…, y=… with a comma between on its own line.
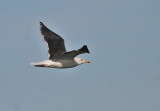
x=58, y=56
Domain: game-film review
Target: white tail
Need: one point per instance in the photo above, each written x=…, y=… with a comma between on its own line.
x=39, y=64
x=32, y=64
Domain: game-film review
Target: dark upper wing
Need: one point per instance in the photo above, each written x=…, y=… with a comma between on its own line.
x=74, y=53
x=54, y=42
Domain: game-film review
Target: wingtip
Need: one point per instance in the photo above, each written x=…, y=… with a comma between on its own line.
x=41, y=23
x=85, y=49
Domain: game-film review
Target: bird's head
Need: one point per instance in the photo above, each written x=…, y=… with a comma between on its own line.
x=81, y=61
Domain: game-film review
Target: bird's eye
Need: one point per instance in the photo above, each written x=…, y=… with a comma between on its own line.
x=81, y=59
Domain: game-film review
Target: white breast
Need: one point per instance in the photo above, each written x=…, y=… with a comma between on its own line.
x=57, y=64
x=50, y=63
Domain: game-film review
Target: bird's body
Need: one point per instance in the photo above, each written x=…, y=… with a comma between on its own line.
x=58, y=56
x=58, y=64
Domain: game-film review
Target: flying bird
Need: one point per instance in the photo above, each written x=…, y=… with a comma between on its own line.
x=58, y=56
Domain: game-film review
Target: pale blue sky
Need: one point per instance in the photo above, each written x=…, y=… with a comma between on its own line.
x=124, y=40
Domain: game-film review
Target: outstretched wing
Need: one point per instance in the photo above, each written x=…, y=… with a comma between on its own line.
x=72, y=54
x=54, y=42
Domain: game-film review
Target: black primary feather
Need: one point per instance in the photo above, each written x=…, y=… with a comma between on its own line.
x=84, y=49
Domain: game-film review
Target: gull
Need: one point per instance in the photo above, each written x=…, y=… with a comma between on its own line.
x=58, y=56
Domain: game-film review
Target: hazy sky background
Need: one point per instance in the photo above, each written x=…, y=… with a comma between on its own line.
x=123, y=37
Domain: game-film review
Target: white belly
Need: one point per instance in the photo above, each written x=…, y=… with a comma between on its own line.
x=57, y=64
